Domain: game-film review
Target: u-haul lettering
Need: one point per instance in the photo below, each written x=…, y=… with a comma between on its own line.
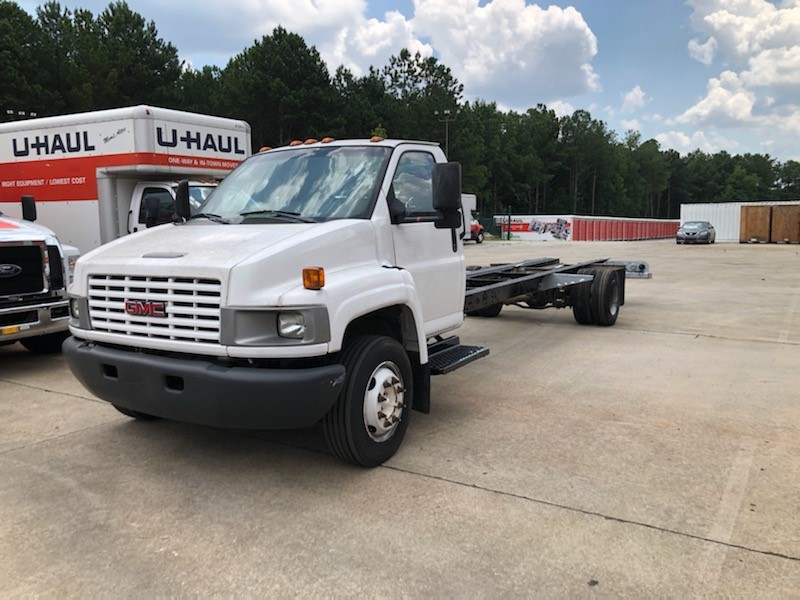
x=169, y=137
x=57, y=144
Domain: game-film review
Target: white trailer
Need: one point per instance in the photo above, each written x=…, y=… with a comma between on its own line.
x=98, y=175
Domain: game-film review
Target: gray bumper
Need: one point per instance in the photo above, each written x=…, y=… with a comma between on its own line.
x=32, y=321
x=203, y=392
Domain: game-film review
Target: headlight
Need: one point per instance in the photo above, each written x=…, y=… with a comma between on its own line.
x=287, y=326
x=75, y=308
x=79, y=312
x=291, y=325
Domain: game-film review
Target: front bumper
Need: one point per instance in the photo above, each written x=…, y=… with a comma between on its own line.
x=204, y=392
x=693, y=239
x=18, y=322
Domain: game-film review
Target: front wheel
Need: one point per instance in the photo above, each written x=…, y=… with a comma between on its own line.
x=367, y=423
x=135, y=413
x=45, y=344
x=479, y=238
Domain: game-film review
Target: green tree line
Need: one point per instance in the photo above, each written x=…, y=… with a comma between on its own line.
x=64, y=61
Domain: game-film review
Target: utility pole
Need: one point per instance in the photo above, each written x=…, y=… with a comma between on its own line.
x=446, y=117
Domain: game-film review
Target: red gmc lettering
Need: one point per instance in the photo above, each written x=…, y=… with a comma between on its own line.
x=145, y=309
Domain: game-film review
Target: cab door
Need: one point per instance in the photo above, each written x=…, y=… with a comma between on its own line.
x=424, y=251
x=151, y=204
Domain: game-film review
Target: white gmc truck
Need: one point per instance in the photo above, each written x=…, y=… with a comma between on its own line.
x=35, y=269
x=318, y=282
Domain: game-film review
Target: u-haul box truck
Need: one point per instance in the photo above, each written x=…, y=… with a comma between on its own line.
x=100, y=175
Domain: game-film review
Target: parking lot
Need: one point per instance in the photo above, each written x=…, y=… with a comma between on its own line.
x=658, y=457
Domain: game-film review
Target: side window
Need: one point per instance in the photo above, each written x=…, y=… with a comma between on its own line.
x=157, y=207
x=412, y=183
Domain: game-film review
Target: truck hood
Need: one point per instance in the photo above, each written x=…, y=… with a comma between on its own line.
x=268, y=257
x=14, y=230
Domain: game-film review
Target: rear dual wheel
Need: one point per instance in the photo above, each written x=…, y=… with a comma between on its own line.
x=597, y=302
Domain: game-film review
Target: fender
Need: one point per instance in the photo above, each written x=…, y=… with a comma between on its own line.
x=354, y=292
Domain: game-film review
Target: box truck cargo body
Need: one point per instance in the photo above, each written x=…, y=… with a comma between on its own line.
x=97, y=176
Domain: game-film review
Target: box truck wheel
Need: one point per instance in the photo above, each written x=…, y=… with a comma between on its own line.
x=45, y=344
x=582, y=299
x=134, y=413
x=369, y=419
x=605, y=297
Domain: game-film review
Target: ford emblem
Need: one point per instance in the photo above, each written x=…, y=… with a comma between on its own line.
x=9, y=270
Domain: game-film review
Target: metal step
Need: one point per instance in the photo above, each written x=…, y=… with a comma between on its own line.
x=454, y=357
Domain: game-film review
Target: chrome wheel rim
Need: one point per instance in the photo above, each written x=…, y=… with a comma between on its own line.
x=384, y=401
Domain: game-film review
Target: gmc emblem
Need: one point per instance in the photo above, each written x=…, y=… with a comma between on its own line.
x=147, y=308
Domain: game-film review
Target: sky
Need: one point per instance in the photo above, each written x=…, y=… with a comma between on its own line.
x=708, y=74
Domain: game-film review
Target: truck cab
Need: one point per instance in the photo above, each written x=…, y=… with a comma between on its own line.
x=153, y=202
x=35, y=270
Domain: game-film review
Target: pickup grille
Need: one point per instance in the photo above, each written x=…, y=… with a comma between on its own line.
x=26, y=261
x=191, y=307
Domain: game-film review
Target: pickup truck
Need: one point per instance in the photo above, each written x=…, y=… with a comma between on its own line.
x=35, y=270
x=319, y=282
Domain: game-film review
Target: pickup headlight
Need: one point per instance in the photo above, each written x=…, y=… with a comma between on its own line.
x=275, y=327
x=79, y=312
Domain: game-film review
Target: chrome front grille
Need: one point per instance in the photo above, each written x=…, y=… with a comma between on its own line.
x=132, y=305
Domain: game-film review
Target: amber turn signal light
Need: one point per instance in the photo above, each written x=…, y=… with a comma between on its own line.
x=313, y=278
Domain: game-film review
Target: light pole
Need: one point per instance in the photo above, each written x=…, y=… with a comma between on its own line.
x=447, y=117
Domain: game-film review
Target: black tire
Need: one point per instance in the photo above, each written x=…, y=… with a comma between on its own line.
x=479, y=238
x=135, y=413
x=606, y=297
x=582, y=299
x=45, y=344
x=346, y=427
x=489, y=311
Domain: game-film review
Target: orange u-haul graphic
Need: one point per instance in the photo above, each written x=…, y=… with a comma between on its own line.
x=89, y=172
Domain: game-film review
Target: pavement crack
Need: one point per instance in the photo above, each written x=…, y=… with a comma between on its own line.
x=711, y=336
x=592, y=513
x=49, y=391
x=53, y=438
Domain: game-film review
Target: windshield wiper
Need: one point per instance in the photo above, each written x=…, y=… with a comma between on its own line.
x=210, y=217
x=278, y=214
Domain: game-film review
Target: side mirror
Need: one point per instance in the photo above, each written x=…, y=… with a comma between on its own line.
x=397, y=210
x=152, y=206
x=182, y=209
x=29, y=208
x=447, y=195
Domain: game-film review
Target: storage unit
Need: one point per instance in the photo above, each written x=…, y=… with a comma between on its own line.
x=725, y=216
x=755, y=224
x=785, y=224
x=585, y=229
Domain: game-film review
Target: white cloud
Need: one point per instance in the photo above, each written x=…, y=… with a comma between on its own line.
x=561, y=108
x=507, y=50
x=677, y=140
x=727, y=102
x=633, y=100
x=757, y=97
x=632, y=124
x=703, y=53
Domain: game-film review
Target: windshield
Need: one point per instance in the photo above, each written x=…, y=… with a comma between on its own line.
x=304, y=184
x=694, y=225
